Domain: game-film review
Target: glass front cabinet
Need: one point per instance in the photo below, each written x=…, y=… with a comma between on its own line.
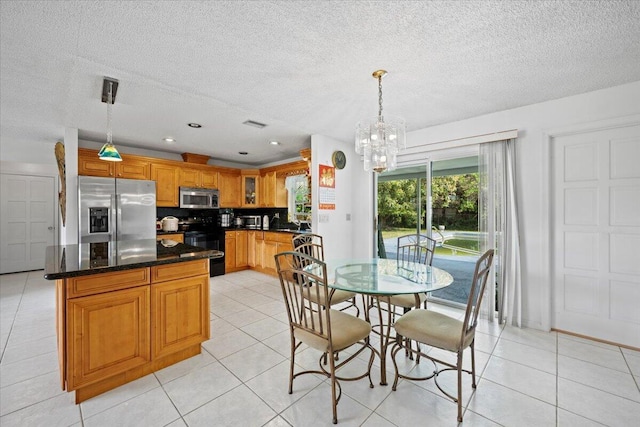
x=250, y=188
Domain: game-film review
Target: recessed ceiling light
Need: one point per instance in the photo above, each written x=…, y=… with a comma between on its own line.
x=169, y=140
x=244, y=153
x=274, y=143
x=254, y=124
x=194, y=125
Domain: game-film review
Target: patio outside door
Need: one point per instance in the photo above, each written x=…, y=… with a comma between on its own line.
x=404, y=208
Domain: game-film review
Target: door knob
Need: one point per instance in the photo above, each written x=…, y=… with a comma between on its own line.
x=50, y=227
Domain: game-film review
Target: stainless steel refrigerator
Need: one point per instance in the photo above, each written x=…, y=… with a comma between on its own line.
x=114, y=209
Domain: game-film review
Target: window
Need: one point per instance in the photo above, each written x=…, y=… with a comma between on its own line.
x=299, y=199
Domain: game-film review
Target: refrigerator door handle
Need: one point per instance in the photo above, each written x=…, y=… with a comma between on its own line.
x=114, y=234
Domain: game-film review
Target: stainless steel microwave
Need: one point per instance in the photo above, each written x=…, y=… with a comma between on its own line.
x=252, y=221
x=199, y=198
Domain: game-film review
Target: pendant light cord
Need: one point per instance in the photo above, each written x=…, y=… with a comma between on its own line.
x=109, y=104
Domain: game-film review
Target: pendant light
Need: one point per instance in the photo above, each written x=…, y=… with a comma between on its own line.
x=108, y=151
x=379, y=139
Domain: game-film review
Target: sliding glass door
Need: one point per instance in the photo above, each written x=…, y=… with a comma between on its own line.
x=440, y=199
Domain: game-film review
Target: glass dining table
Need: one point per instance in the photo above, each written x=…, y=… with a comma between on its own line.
x=380, y=278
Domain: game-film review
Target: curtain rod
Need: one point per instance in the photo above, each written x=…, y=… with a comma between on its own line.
x=466, y=141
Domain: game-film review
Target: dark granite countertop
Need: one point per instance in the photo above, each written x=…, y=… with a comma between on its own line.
x=83, y=259
x=277, y=230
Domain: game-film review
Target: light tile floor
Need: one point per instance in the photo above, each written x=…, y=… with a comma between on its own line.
x=526, y=377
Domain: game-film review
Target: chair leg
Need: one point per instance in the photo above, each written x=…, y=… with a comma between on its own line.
x=459, y=385
x=334, y=402
x=473, y=364
x=293, y=357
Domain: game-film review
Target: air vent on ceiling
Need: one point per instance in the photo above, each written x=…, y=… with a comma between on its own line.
x=254, y=124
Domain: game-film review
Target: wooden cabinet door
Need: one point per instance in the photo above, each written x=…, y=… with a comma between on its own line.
x=132, y=168
x=209, y=179
x=270, y=249
x=241, y=249
x=250, y=190
x=107, y=334
x=230, y=189
x=251, y=248
x=268, y=189
x=230, y=251
x=90, y=165
x=189, y=178
x=166, y=178
x=281, y=192
x=176, y=237
x=180, y=313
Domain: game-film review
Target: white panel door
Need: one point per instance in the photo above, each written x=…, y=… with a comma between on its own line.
x=27, y=221
x=596, y=234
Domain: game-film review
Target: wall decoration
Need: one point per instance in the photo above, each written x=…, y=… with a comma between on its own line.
x=62, y=195
x=327, y=188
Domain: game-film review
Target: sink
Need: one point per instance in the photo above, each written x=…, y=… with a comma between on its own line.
x=292, y=230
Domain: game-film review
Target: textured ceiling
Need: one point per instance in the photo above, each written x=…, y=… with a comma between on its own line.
x=301, y=67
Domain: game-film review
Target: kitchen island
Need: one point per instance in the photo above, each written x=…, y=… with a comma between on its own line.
x=127, y=309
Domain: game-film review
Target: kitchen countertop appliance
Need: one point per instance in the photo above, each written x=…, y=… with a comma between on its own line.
x=226, y=219
x=252, y=221
x=238, y=221
x=114, y=209
x=169, y=223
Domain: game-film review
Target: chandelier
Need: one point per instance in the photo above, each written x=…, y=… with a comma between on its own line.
x=108, y=151
x=379, y=140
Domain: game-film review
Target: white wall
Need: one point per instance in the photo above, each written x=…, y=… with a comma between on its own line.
x=338, y=232
x=534, y=123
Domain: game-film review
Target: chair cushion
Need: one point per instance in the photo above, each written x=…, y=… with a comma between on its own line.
x=346, y=330
x=337, y=297
x=407, y=300
x=434, y=329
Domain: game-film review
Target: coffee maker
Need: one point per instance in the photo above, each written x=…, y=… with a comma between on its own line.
x=226, y=217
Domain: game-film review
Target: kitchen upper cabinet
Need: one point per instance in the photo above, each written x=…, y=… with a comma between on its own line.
x=230, y=189
x=209, y=179
x=198, y=178
x=250, y=190
x=131, y=167
x=166, y=178
x=90, y=165
x=273, y=193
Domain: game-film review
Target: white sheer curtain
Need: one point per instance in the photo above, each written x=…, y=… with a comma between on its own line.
x=499, y=227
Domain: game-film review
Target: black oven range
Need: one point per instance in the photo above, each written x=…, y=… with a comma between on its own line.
x=205, y=232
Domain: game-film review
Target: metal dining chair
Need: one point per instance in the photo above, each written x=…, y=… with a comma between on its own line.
x=303, y=279
x=312, y=245
x=417, y=248
x=447, y=333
